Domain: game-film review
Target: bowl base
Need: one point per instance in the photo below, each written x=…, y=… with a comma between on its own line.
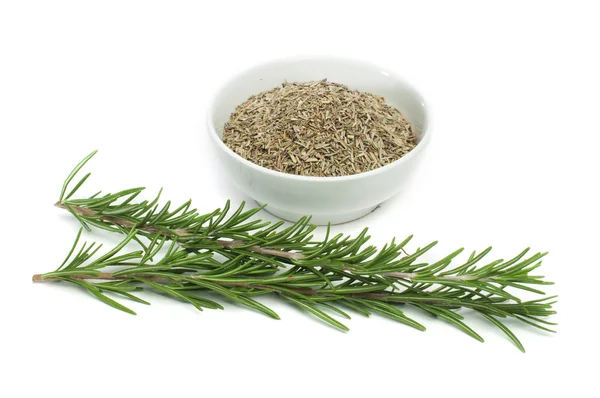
x=317, y=219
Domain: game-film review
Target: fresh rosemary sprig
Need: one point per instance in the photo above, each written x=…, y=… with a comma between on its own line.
x=187, y=253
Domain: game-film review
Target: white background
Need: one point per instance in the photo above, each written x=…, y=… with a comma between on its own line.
x=513, y=162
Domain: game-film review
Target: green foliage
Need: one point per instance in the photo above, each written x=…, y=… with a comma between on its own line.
x=184, y=255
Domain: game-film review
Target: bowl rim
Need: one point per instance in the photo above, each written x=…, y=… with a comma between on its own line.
x=426, y=133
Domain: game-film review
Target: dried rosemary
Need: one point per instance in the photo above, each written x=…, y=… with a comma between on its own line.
x=318, y=128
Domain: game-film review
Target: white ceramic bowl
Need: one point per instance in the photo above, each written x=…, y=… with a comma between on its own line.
x=327, y=199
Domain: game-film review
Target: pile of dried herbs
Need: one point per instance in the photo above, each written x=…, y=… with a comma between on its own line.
x=318, y=128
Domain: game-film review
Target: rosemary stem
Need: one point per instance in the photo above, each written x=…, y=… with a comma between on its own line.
x=38, y=278
x=233, y=244
x=227, y=244
x=455, y=278
x=107, y=276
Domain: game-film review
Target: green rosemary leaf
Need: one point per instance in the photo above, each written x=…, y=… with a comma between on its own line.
x=101, y=225
x=248, y=302
x=392, y=313
x=473, y=259
x=540, y=320
x=522, y=287
x=79, y=184
x=70, y=272
x=129, y=296
x=349, y=303
x=239, y=298
x=203, y=302
x=156, y=219
x=540, y=300
x=334, y=309
x=117, y=248
x=74, y=173
x=360, y=289
x=96, y=292
x=72, y=249
x=214, y=224
x=506, y=330
x=441, y=264
x=111, y=302
x=318, y=313
x=452, y=318
x=171, y=292
x=141, y=270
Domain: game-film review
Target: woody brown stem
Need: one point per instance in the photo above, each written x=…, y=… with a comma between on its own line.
x=453, y=278
x=107, y=276
x=227, y=244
